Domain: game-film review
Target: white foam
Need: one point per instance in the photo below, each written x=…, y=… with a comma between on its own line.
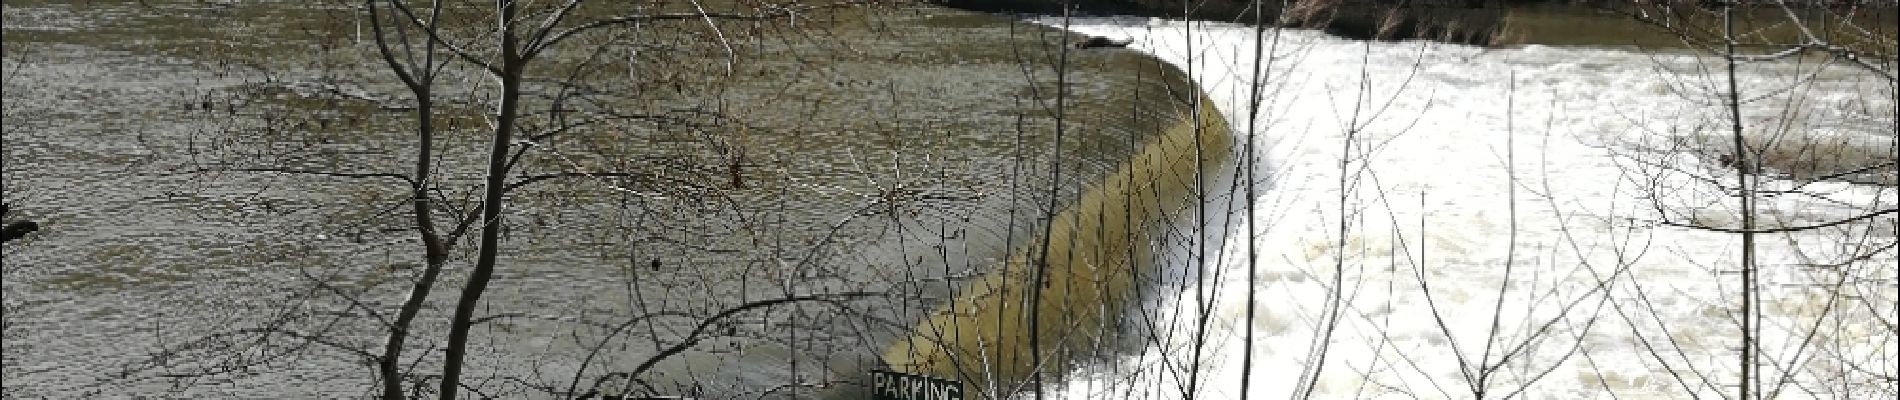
x=1429, y=175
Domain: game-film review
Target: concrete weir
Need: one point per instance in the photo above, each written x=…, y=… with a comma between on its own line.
x=919, y=146
x=1056, y=300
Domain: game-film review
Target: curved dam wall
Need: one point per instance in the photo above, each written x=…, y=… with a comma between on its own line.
x=906, y=152
x=1055, y=300
x=913, y=153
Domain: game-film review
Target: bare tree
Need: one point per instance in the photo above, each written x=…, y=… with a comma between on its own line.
x=556, y=88
x=1765, y=162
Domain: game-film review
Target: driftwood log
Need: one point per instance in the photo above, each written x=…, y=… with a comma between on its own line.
x=1093, y=42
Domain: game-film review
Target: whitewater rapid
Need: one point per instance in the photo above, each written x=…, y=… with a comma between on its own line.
x=1501, y=214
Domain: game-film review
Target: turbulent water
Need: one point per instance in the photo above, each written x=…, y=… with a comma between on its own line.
x=1437, y=221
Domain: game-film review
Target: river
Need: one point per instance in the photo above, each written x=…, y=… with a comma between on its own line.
x=908, y=153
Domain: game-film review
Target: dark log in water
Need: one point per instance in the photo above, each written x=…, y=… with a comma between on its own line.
x=1096, y=42
x=15, y=230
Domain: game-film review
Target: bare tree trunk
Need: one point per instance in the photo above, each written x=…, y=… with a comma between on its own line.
x=435, y=255
x=1743, y=170
x=420, y=82
x=1041, y=276
x=510, y=76
x=1262, y=65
